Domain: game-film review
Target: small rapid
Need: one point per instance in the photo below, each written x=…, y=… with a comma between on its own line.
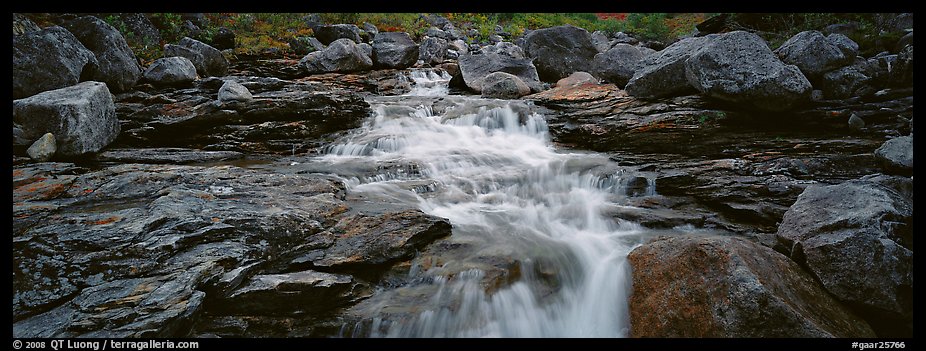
x=510, y=195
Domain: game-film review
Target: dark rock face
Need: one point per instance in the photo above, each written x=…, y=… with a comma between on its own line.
x=740, y=68
x=23, y=25
x=343, y=55
x=82, y=117
x=433, y=50
x=144, y=31
x=501, y=85
x=171, y=71
x=116, y=63
x=721, y=286
x=663, y=73
x=327, y=34
x=845, y=82
x=394, y=50
x=617, y=64
x=224, y=39
x=857, y=239
x=305, y=45
x=208, y=60
x=559, y=51
x=49, y=59
x=475, y=68
x=896, y=155
x=814, y=53
x=148, y=250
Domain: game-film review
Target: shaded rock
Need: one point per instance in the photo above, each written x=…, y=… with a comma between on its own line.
x=896, y=155
x=856, y=122
x=43, y=149
x=49, y=59
x=475, y=68
x=208, y=60
x=601, y=41
x=366, y=48
x=501, y=85
x=233, y=91
x=617, y=64
x=327, y=34
x=841, y=28
x=143, y=31
x=305, y=45
x=856, y=238
x=343, y=55
x=504, y=48
x=394, y=50
x=434, y=32
x=223, y=39
x=116, y=63
x=845, y=82
x=576, y=79
x=559, y=51
x=720, y=286
x=177, y=156
x=663, y=73
x=23, y=25
x=370, y=29
x=171, y=71
x=624, y=38
x=303, y=292
x=432, y=50
x=82, y=117
x=739, y=67
x=813, y=53
x=846, y=45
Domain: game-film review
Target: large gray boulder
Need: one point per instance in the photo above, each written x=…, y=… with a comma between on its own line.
x=856, y=238
x=662, y=73
x=559, y=51
x=117, y=65
x=343, y=55
x=617, y=64
x=433, y=50
x=601, y=41
x=739, y=67
x=394, y=50
x=209, y=61
x=896, y=155
x=175, y=70
x=814, y=53
x=48, y=59
x=845, y=82
x=730, y=287
x=475, y=68
x=82, y=117
x=327, y=34
x=501, y=85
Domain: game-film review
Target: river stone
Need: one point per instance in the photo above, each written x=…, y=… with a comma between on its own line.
x=432, y=50
x=896, y=155
x=501, y=85
x=617, y=64
x=117, y=65
x=82, y=117
x=327, y=34
x=724, y=286
x=49, y=59
x=475, y=68
x=208, y=60
x=559, y=51
x=343, y=55
x=856, y=238
x=43, y=149
x=234, y=91
x=814, y=54
x=739, y=67
x=394, y=50
x=576, y=79
x=23, y=25
x=662, y=73
x=171, y=71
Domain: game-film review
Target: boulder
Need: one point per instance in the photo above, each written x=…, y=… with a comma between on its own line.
x=505, y=48
x=176, y=70
x=370, y=29
x=223, y=39
x=23, y=25
x=617, y=64
x=624, y=38
x=394, y=50
x=601, y=41
x=844, y=82
x=662, y=73
x=559, y=51
x=739, y=67
x=43, y=149
x=234, y=91
x=475, y=68
x=576, y=79
x=367, y=49
x=896, y=155
x=729, y=287
x=327, y=34
x=116, y=63
x=846, y=45
x=343, y=55
x=856, y=238
x=306, y=291
x=305, y=45
x=144, y=32
x=49, y=59
x=432, y=50
x=813, y=53
x=501, y=85
x=437, y=33
x=82, y=117
x=208, y=60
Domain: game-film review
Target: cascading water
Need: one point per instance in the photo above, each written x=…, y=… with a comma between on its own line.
x=510, y=194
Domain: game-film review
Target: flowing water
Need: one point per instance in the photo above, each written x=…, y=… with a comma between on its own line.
x=513, y=197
